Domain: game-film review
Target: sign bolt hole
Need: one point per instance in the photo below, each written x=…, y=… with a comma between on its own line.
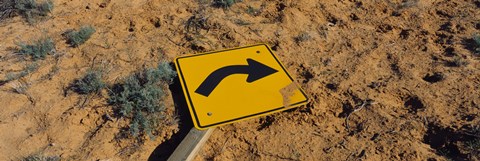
x=258, y=52
x=209, y=114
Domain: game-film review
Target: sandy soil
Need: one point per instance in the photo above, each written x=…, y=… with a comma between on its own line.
x=402, y=72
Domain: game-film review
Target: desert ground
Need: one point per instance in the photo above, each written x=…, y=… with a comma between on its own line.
x=387, y=79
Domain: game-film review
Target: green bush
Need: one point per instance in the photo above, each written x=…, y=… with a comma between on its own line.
x=139, y=98
x=77, y=38
x=90, y=83
x=30, y=9
x=38, y=49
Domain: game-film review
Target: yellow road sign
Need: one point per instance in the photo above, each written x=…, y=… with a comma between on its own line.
x=230, y=85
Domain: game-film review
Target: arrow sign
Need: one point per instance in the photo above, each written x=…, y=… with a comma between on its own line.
x=254, y=69
x=230, y=77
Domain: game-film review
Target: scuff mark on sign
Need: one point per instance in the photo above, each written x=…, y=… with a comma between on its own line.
x=287, y=92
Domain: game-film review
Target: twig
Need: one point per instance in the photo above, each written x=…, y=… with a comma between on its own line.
x=87, y=98
x=224, y=145
x=470, y=134
x=364, y=104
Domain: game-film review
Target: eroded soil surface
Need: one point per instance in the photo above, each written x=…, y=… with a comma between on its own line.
x=388, y=80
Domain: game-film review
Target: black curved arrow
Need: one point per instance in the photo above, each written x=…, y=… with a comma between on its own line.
x=254, y=69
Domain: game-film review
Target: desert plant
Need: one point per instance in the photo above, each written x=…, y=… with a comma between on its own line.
x=476, y=39
x=473, y=145
x=242, y=22
x=41, y=158
x=7, y=9
x=224, y=3
x=139, y=98
x=77, y=38
x=90, y=83
x=38, y=49
x=457, y=61
x=196, y=23
x=304, y=36
x=30, y=9
x=20, y=86
x=253, y=11
x=27, y=70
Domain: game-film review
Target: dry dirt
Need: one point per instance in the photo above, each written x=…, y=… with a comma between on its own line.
x=403, y=72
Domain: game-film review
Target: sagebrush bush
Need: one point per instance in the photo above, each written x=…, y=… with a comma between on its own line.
x=253, y=11
x=90, y=83
x=41, y=158
x=139, y=98
x=224, y=3
x=476, y=38
x=27, y=70
x=473, y=145
x=304, y=36
x=37, y=49
x=7, y=9
x=77, y=38
x=30, y=9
